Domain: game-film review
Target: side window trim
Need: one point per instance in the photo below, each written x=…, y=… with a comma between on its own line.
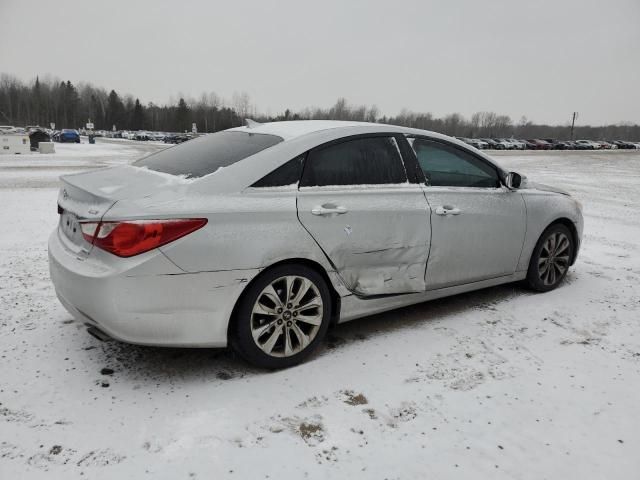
x=411, y=164
x=499, y=173
x=396, y=136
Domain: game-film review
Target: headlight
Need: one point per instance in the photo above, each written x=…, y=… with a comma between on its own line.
x=579, y=204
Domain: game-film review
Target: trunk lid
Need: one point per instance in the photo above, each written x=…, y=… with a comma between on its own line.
x=89, y=195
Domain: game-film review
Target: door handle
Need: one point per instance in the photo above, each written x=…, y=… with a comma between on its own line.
x=447, y=210
x=328, y=210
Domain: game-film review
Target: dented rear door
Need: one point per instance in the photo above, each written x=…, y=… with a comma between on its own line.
x=376, y=237
x=376, y=234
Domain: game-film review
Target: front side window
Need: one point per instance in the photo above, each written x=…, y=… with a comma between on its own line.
x=362, y=161
x=204, y=155
x=448, y=166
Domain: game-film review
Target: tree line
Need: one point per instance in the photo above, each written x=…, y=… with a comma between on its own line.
x=49, y=100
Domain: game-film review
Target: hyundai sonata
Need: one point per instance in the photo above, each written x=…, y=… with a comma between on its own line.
x=261, y=237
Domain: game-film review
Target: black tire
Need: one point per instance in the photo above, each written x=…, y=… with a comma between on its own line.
x=539, y=278
x=242, y=339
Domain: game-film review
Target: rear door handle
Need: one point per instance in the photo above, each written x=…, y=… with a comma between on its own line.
x=447, y=210
x=329, y=210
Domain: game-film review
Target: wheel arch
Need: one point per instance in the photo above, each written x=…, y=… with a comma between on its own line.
x=317, y=267
x=567, y=222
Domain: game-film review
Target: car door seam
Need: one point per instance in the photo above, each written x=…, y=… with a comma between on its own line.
x=426, y=263
x=526, y=230
x=333, y=266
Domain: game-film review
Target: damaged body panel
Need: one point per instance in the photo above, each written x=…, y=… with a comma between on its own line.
x=378, y=242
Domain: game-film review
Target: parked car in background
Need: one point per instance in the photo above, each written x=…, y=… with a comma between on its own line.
x=561, y=145
x=176, y=138
x=519, y=144
x=504, y=144
x=538, y=144
x=479, y=143
x=179, y=235
x=513, y=144
x=141, y=136
x=588, y=144
x=493, y=144
x=67, y=135
x=464, y=139
x=623, y=145
x=582, y=146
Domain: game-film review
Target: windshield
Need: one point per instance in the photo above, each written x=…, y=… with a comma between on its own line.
x=204, y=155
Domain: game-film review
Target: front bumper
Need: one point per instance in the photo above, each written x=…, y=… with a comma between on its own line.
x=146, y=300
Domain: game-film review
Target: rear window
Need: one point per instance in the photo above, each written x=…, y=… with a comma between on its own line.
x=205, y=155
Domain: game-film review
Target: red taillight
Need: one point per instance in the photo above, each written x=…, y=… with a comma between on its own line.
x=129, y=238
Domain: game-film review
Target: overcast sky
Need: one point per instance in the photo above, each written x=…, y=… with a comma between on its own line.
x=543, y=58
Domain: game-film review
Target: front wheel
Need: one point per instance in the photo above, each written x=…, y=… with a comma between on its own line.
x=551, y=258
x=282, y=317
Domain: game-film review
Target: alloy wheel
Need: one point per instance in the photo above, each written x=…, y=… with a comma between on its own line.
x=286, y=316
x=554, y=258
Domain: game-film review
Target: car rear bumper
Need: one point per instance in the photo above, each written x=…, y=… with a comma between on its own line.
x=141, y=306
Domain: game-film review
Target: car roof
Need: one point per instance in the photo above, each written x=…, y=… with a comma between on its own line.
x=296, y=128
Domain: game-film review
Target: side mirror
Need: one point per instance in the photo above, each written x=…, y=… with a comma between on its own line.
x=513, y=180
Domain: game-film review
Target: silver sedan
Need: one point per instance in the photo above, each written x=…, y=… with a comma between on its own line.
x=261, y=237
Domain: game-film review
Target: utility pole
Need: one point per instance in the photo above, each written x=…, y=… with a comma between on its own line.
x=573, y=122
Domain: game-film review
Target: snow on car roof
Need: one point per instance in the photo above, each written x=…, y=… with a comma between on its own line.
x=297, y=128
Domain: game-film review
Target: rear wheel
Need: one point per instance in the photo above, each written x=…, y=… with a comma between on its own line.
x=551, y=258
x=283, y=317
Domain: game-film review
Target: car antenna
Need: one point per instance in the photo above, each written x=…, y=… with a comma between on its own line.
x=251, y=123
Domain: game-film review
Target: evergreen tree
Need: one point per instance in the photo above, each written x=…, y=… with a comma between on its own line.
x=138, y=120
x=183, y=116
x=114, y=114
x=36, y=103
x=73, y=102
x=63, y=107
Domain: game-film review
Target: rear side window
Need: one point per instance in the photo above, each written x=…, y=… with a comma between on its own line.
x=284, y=175
x=205, y=155
x=362, y=161
x=445, y=165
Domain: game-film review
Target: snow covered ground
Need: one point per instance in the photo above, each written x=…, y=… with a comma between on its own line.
x=500, y=383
